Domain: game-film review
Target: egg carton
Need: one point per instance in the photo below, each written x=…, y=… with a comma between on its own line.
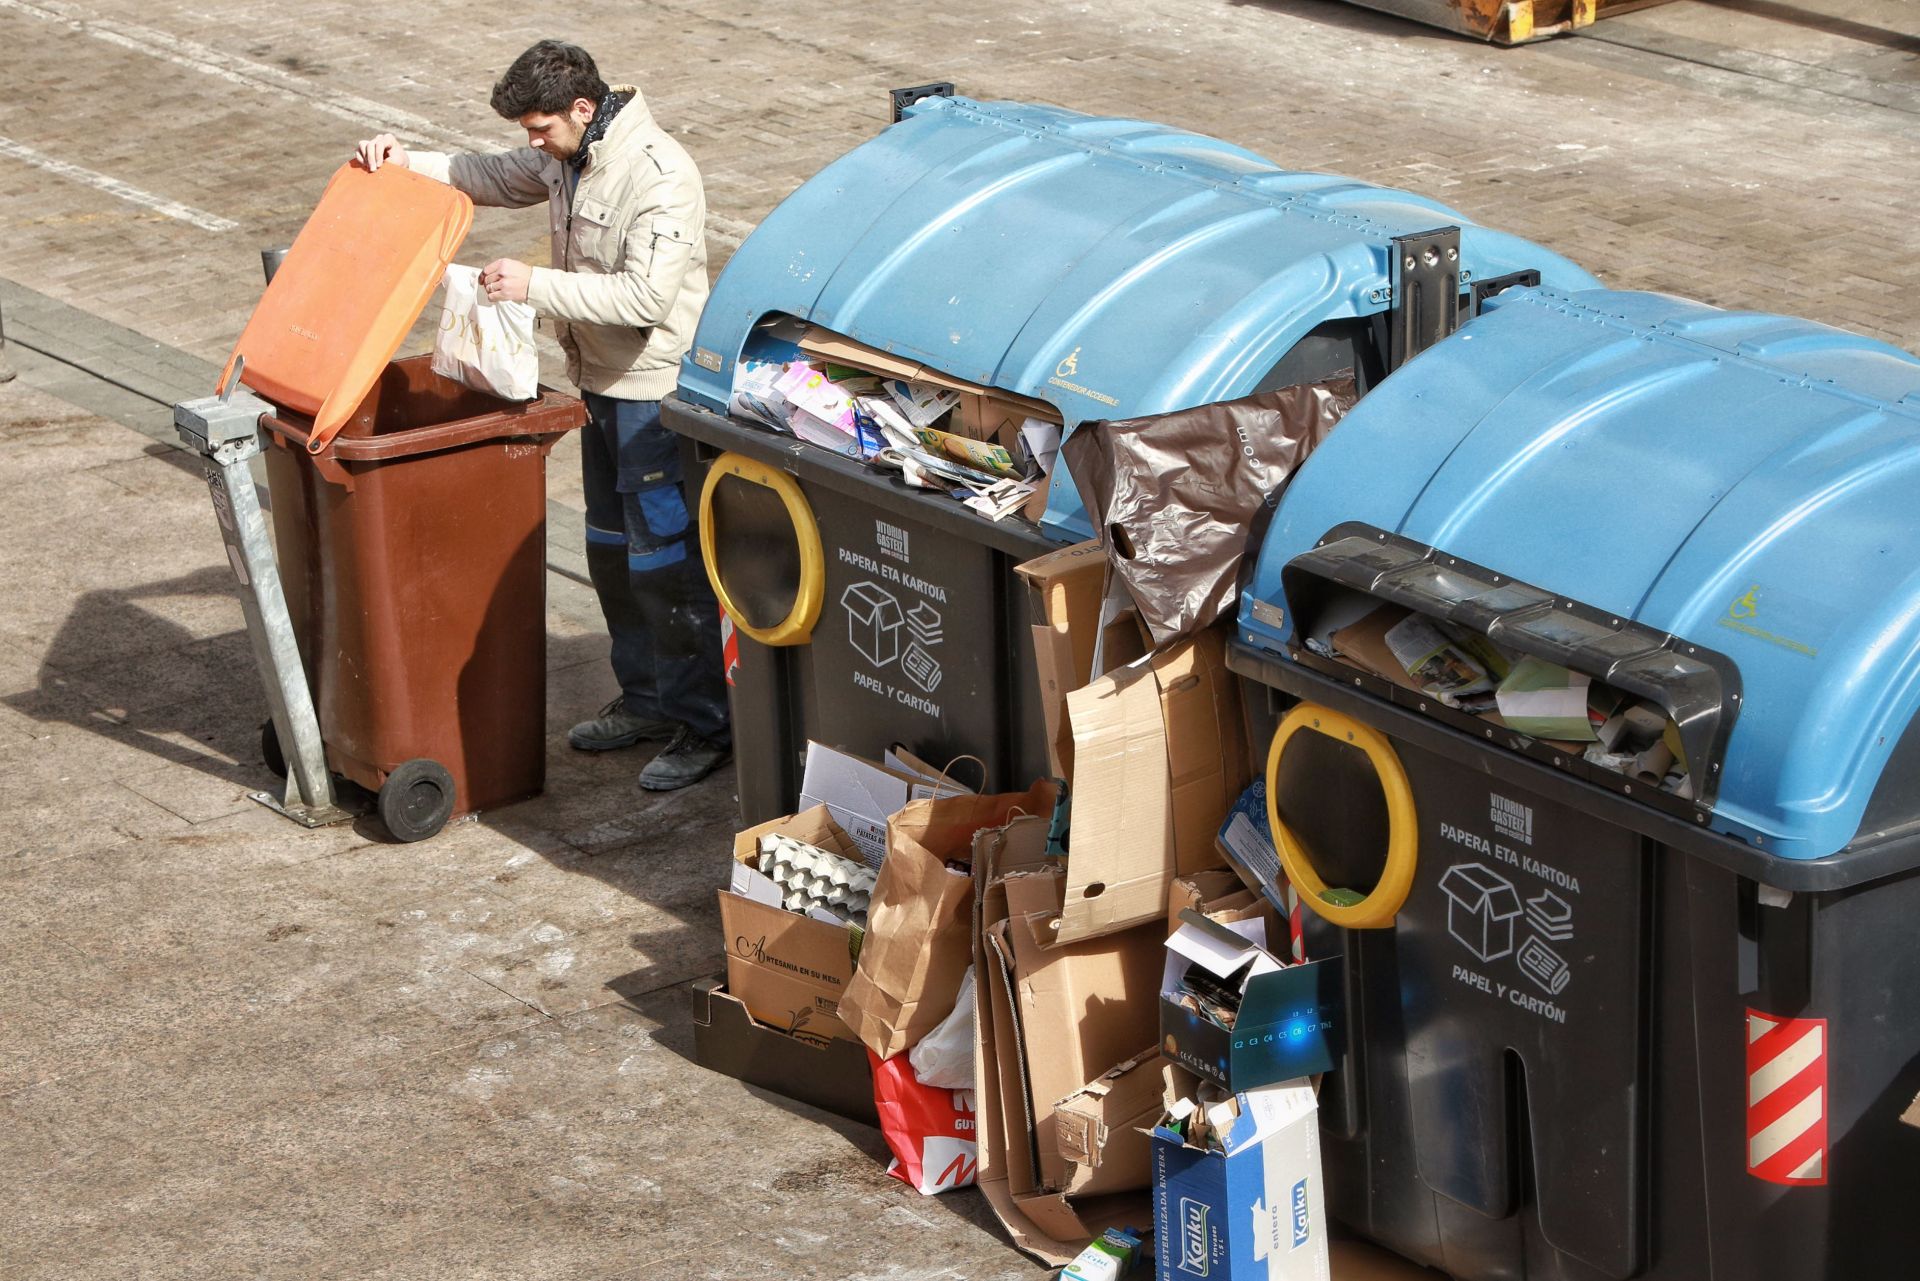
x=811, y=877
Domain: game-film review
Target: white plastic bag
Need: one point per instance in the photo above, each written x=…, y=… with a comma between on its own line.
x=487, y=346
x=944, y=1056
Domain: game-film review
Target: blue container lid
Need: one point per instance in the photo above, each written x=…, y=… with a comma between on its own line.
x=1743, y=482
x=1113, y=268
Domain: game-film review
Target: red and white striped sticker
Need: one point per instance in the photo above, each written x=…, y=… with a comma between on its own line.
x=1296, y=925
x=729, y=645
x=1786, y=1099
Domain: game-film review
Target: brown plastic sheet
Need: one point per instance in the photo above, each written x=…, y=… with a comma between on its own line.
x=1174, y=495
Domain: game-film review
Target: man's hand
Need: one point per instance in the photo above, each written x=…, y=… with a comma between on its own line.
x=505, y=280
x=384, y=149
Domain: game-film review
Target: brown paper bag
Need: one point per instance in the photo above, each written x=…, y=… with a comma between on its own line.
x=918, y=947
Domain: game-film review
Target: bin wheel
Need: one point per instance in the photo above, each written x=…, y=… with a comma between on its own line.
x=416, y=800
x=1378, y=909
x=276, y=760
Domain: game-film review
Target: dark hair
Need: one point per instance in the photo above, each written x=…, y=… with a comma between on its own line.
x=547, y=78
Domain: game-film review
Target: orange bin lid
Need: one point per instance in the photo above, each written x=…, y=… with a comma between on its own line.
x=354, y=281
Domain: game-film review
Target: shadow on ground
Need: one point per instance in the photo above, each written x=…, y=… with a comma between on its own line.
x=135, y=676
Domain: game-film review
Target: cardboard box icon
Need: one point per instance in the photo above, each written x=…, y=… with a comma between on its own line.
x=1481, y=905
x=874, y=620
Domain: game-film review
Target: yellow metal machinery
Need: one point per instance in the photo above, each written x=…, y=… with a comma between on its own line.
x=1507, y=22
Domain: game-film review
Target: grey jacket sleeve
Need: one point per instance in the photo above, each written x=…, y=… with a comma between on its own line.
x=661, y=235
x=512, y=179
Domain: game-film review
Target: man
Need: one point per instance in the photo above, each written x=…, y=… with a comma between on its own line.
x=628, y=280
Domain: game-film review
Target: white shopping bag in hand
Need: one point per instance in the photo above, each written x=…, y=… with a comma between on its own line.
x=488, y=346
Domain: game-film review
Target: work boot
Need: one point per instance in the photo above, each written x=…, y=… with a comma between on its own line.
x=687, y=759
x=615, y=726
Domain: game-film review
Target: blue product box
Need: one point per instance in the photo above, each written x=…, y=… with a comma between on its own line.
x=1251, y=1209
x=1288, y=1018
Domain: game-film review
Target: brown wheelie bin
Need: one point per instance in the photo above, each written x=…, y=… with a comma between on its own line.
x=409, y=513
x=413, y=549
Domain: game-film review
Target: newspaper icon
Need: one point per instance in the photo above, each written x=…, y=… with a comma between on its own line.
x=1545, y=967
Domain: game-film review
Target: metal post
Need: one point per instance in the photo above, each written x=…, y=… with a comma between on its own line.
x=225, y=431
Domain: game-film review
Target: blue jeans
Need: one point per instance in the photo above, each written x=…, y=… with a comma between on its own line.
x=644, y=557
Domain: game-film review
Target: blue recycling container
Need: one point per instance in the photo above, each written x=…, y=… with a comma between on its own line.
x=1108, y=268
x=1608, y=1025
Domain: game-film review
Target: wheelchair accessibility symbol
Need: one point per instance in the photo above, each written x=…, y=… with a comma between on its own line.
x=1745, y=606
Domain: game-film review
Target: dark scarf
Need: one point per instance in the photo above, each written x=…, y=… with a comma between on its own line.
x=597, y=127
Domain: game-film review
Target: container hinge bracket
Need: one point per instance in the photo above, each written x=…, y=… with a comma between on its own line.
x=1426, y=292
x=1485, y=289
x=898, y=100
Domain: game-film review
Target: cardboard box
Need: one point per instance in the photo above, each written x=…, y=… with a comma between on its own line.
x=1219, y=895
x=1158, y=761
x=1206, y=748
x=1102, y=1127
x=984, y=413
x=1081, y=1008
x=1252, y=1210
x=833, y=1076
x=1045, y=1222
x=1289, y=1017
x=1121, y=859
x=1064, y=588
x=788, y=970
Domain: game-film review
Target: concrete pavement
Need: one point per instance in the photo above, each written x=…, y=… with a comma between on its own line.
x=232, y=1048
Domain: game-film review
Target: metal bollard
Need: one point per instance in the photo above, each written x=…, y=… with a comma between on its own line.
x=270, y=260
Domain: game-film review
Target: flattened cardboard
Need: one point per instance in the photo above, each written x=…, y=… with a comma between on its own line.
x=985, y=455
x=1065, y=587
x=860, y=795
x=1206, y=751
x=1046, y=1224
x=1102, y=1127
x=1364, y=644
x=834, y=1077
x=833, y=349
x=1082, y=1008
x=1122, y=859
x=1159, y=759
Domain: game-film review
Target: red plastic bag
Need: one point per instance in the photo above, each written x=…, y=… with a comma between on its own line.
x=929, y=1129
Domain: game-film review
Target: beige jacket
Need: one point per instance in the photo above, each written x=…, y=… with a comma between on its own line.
x=629, y=273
